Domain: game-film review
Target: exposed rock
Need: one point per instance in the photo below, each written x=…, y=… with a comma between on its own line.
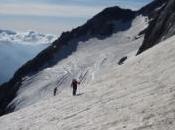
x=161, y=27
x=153, y=8
x=121, y=61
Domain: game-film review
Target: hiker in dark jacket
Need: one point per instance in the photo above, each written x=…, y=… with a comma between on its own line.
x=74, y=86
x=55, y=91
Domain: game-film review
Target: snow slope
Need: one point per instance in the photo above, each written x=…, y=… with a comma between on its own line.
x=90, y=58
x=17, y=48
x=138, y=95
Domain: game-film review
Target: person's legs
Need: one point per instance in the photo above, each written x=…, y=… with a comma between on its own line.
x=74, y=91
x=55, y=91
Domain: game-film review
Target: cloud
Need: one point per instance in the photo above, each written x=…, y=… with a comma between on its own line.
x=49, y=10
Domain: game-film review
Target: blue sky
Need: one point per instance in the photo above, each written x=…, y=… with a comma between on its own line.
x=55, y=16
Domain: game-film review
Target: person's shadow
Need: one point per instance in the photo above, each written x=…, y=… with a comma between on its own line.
x=79, y=94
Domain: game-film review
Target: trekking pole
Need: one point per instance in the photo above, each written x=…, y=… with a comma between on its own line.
x=60, y=81
x=83, y=77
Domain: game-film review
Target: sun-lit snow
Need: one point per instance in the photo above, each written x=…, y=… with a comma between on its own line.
x=18, y=48
x=90, y=58
x=139, y=95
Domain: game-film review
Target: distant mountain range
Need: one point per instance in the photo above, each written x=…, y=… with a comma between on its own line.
x=29, y=37
x=17, y=48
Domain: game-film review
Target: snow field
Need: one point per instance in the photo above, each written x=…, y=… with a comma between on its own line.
x=136, y=96
x=89, y=59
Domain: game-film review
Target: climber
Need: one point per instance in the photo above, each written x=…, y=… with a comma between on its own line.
x=55, y=91
x=74, y=86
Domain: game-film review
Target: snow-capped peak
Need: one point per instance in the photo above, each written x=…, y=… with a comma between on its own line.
x=29, y=37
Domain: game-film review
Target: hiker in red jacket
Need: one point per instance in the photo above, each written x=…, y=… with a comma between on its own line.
x=74, y=86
